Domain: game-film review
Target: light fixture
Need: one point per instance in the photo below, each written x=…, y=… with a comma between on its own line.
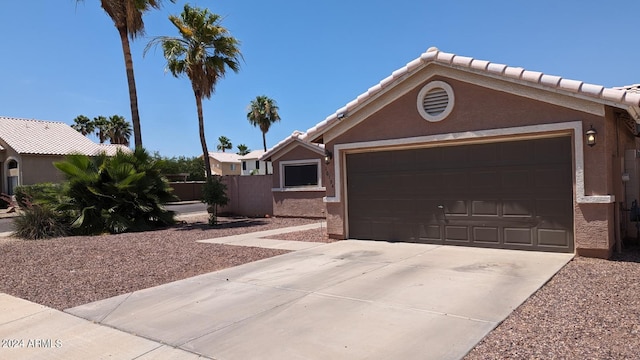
x=591, y=136
x=327, y=157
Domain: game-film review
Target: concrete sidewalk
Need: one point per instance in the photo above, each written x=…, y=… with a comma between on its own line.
x=256, y=238
x=32, y=331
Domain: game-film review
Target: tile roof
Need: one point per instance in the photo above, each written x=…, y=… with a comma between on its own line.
x=296, y=136
x=624, y=97
x=225, y=157
x=635, y=88
x=49, y=138
x=255, y=154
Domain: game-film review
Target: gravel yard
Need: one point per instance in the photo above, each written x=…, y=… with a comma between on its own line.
x=589, y=310
x=67, y=272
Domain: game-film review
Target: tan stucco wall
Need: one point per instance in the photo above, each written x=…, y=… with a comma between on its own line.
x=479, y=108
x=220, y=168
x=298, y=204
x=39, y=169
x=248, y=195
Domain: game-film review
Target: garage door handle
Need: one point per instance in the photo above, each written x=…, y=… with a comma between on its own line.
x=441, y=207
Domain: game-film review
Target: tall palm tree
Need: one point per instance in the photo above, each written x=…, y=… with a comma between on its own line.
x=102, y=125
x=127, y=18
x=119, y=130
x=263, y=112
x=83, y=125
x=204, y=51
x=243, y=149
x=224, y=143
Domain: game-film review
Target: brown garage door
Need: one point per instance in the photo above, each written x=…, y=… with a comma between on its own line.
x=514, y=195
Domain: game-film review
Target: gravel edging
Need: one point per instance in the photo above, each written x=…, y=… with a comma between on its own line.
x=589, y=310
x=65, y=272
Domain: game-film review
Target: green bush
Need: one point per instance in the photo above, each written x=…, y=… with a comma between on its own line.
x=40, y=222
x=116, y=194
x=44, y=193
x=214, y=194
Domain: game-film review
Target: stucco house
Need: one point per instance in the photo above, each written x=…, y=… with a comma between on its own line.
x=298, y=182
x=460, y=151
x=28, y=149
x=252, y=165
x=224, y=163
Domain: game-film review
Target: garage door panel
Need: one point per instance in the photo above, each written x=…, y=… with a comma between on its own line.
x=488, y=235
x=456, y=234
x=431, y=232
x=455, y=207
x=517, y=236
x=518, y=207
x=554, y=238
x=484, y=208
x=515, y=195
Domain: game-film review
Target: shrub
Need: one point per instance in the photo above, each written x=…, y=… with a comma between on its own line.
x=214, y=194
x=44, y=193
x=116, y=194
x=38, y=221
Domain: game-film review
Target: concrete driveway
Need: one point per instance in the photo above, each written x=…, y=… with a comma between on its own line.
x=346, y=300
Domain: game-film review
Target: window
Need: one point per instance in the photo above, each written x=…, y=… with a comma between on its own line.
x=258, y=164
x=301, y=175
x=244, y=165
x=233, y=167
x=12, y=176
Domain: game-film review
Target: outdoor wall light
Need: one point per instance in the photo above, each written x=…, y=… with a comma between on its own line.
x=327, y=157
x=591, y=136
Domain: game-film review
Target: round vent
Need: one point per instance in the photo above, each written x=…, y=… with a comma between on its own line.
x=435, y=101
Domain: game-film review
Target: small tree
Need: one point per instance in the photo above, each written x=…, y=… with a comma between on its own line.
x=83, y=125
x=214, y=194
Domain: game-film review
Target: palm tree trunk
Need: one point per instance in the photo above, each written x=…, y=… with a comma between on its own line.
x=203, y=141
x=264, y=140
x=133, y=96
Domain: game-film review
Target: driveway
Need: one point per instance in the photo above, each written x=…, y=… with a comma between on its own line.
x=346, y=300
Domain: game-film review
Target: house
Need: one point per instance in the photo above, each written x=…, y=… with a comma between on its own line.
x=224, y=163
x=252, y=165
x=459, y=151
x=298, y=182
x=28, y=149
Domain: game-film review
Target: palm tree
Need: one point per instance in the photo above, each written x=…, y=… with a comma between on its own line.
x=243, y=150
x=263, y=112
x=127, y=18
x=102, y=125
x=119, y=130
x=224, y=143
x=83, y=125
x=204, y=51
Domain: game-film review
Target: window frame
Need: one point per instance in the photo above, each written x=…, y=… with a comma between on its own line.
x=286, y=163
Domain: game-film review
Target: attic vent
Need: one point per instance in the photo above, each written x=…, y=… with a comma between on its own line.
x=435, y=101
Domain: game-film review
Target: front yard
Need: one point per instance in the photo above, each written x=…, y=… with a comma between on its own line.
x=589, y=310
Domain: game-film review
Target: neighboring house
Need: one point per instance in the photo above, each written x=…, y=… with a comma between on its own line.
x=252, y=165
x=459, y=151
x=28, y=149
x=224, y=163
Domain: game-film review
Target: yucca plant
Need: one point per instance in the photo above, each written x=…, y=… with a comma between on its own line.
x=116, y=194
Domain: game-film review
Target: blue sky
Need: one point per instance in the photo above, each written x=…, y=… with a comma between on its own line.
x=60, y=59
